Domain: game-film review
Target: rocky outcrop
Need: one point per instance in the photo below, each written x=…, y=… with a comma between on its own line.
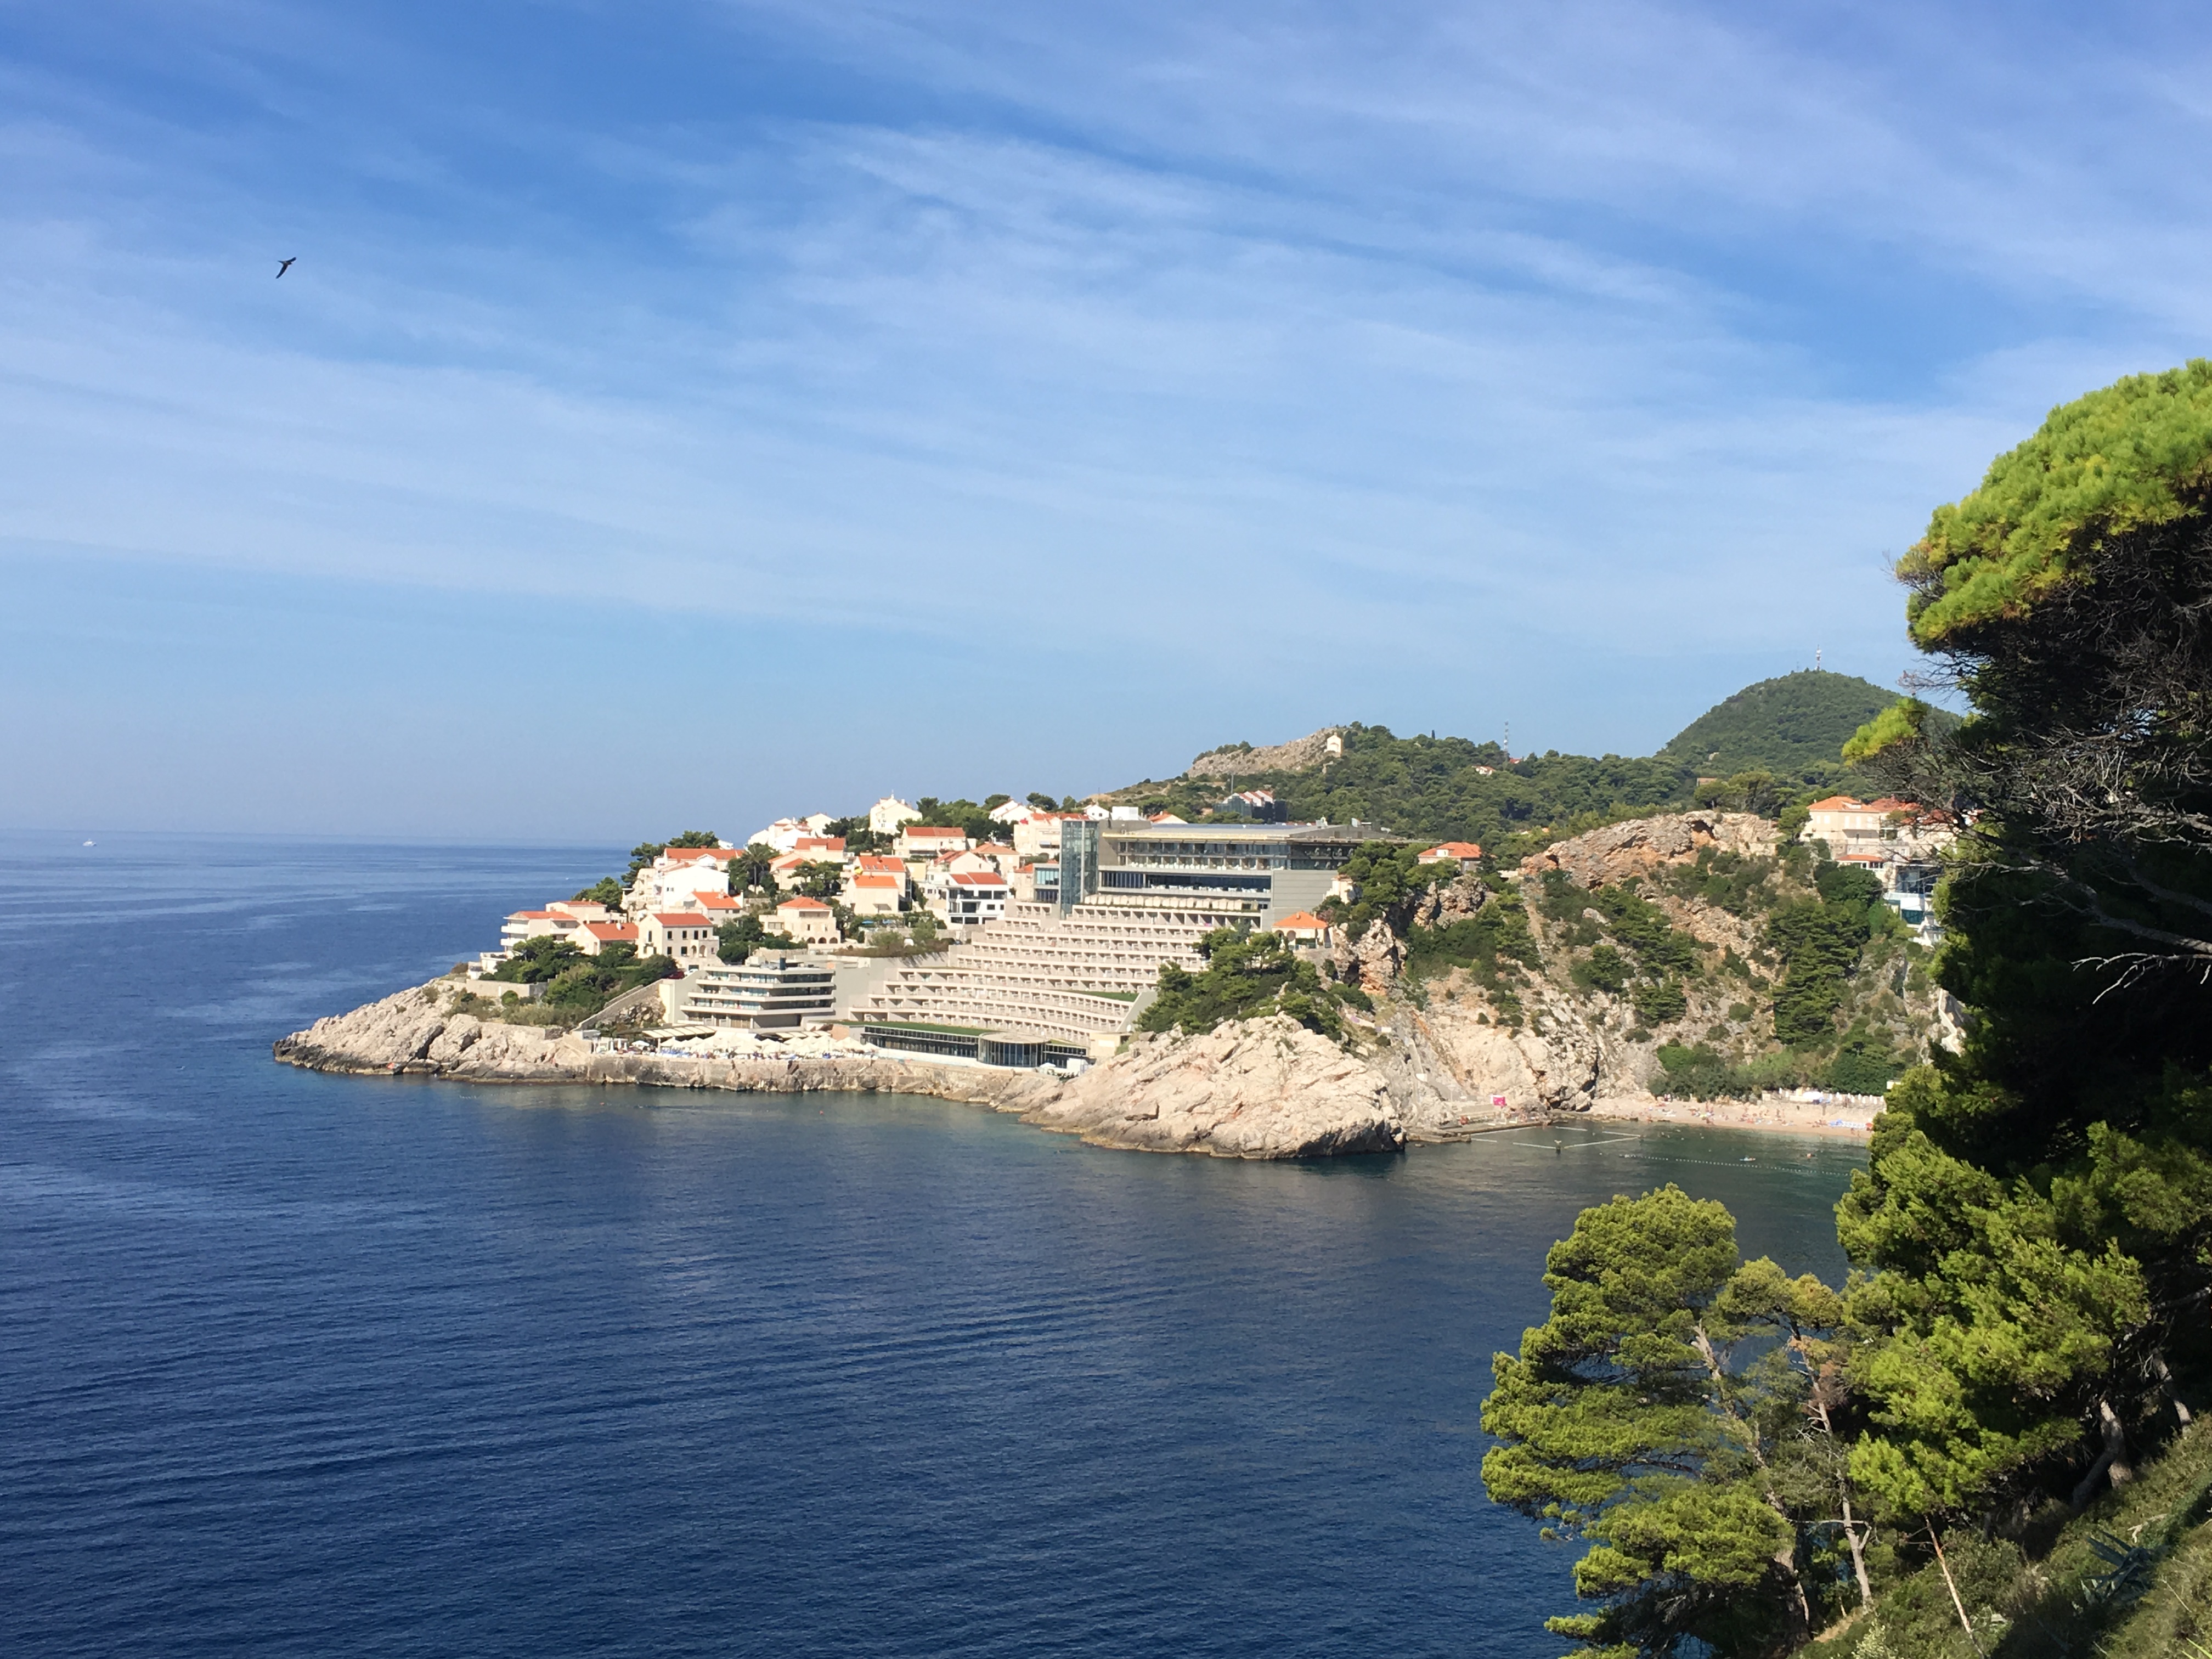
x=1554, y=1062
x=1309, y=750
x=1266, y=1088
x=1449, y=902
x=1636, y=848
x=1376, y=959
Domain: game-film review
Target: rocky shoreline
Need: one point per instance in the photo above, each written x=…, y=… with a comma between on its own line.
x=1446, y=1053
x=1269, y=1089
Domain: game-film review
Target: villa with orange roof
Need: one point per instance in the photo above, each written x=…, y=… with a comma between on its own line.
x=685, y=937
x=928, y=840
x=1303, y=928
x=1465, y=853
x=875, y=895
x=594, y=936
x=808, y=920
x=1899, y=843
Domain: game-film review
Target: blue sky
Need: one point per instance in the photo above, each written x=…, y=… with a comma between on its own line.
x=682, y=414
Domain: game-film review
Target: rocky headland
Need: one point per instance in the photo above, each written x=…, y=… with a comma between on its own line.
x=1449, y=1049
x=1265, y=1089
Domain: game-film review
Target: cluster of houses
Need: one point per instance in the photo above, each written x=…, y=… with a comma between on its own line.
x=676, y=904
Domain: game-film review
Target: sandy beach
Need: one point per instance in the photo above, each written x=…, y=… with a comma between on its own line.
x=1834, y=1118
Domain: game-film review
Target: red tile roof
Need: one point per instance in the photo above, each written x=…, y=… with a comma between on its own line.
x=913, y=829
x=802, y=902
x=686, y=919
x=693, y=854
x=610, y=932
x=1303, y=921
x=821, y=843
x=1452, y=849
x=980, y=878
x=1837, y=804
x=716, y=901
x=877, y=864
x=875, y=881
x=534, y=916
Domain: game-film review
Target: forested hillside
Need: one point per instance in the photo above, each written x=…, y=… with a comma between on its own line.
x=1793, y=726
x=1775, y=741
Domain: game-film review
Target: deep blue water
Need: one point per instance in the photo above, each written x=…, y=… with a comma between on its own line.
x=303, y=1365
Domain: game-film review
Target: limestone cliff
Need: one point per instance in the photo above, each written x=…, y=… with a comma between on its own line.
x=1296, y=755
x=1543, y=1036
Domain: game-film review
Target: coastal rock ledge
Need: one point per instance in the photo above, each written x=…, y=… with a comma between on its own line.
x=1269, y=1089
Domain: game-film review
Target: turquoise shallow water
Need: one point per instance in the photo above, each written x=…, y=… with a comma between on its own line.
x=308, y=1365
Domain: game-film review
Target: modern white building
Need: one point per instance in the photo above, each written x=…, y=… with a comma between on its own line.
x=1894, y=841
x=972, y=897
x=785, y=833
x=768, y=991
x=1039, y=837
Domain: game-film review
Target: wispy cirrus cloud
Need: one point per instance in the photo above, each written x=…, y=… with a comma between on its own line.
x=1490, y=349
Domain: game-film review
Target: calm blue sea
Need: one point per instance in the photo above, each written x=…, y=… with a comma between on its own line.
x=301, y=1365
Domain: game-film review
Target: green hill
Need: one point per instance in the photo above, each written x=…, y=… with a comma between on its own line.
x=1453, y=788
x=1793, y=726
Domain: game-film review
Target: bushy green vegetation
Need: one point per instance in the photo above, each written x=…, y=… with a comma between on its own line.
x=1390, y=878
x=736, y=940
x=1631, y=947
x=578, y=985
x=1672, y=1415
x=1247, y=976
x=1792, y=728
x=1728, y=881
x=1776, y=742
x=1819, y=941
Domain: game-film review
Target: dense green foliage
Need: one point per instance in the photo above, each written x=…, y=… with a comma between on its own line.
x=1819, y=941
x=858, y=837
x=2036, y=1218
x=577, y=985
x=1247, y=976
x=736, y=940
x=1672, y=1414
x=1390, y=878
x=1775, y=741
x=972, y=820
x=1792, y=727
x=2102, y=475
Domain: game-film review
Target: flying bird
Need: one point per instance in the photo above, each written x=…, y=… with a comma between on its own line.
x=284, y=265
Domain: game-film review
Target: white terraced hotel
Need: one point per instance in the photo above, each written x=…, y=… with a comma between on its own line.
x=1133, y=897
